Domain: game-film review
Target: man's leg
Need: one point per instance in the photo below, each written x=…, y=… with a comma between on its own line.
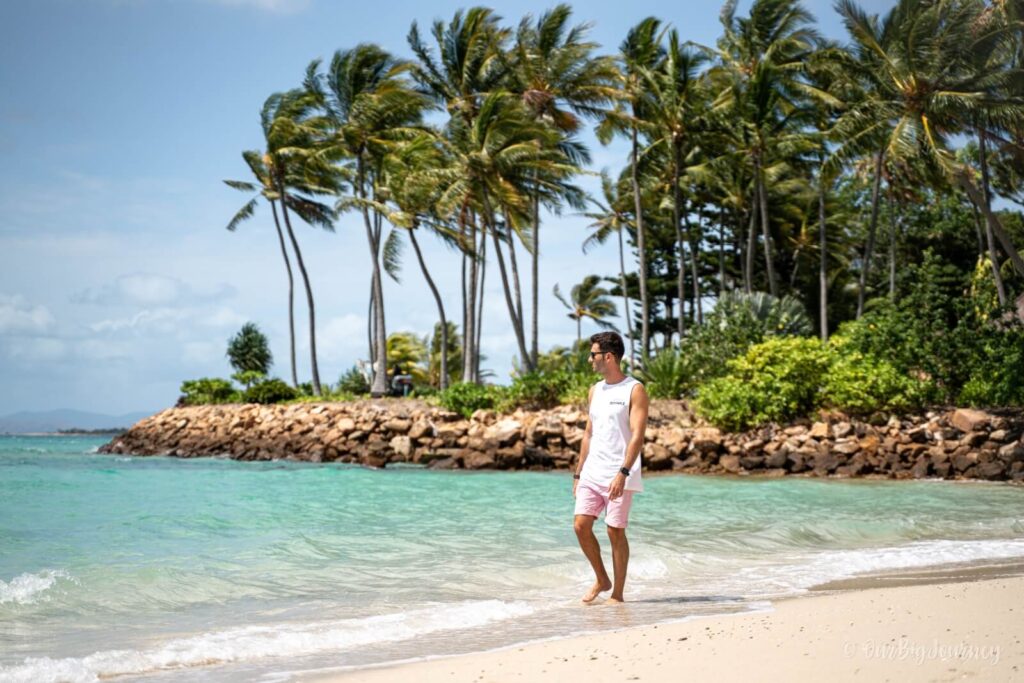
x=584, y=526
x=620, y=560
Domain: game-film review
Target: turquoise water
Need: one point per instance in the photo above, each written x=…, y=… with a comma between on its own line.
x=152, y=568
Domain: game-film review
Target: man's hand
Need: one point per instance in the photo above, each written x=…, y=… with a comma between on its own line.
x=616, y=487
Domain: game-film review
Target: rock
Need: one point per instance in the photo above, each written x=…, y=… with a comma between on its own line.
x=1000, y=435
x=842, y=430
x=345, y=425
x=776, y=460
x=819, y=430
x=1011, y=453
x=920, y=468
x=961, y=463
x=974, y=439
x=481, y=415
x=505, y=432
x=548, y=427
x=402, y=445
x=397, y=425
x=444, y=464
x=476, y=460
x=730, y=463
x=420, y=429
x=825, y=462
x=752, y=462
x=991, y=470
x=706, y=439
x=846, y=447
x=753, y=446
x=969, y=420
x=657, y=456
x=918, y=435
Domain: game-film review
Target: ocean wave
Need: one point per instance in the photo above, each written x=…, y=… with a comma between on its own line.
x=280, y=640
x=27, y=588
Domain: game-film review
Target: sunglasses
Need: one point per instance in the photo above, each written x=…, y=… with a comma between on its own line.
x=598, y=353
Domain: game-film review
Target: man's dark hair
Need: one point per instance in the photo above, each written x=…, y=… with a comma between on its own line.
x=610, y=342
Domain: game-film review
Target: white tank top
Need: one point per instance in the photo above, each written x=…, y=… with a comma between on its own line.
x=609, y=420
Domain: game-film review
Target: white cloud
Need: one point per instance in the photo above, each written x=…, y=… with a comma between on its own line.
x=149, y=289
x=17, y=316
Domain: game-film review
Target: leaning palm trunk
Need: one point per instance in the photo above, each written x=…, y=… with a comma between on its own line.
x=641, y=245
x=440, y=308
x=515, y=278
x=994, y=224
x=309, y=290
x=625, y=300
x=676, y=211
x=534, y=274
x=766, y=234
x=872, y=228
x=379, y=387
x=694, y=241
x=748, y=261
x=291, y=294
x=987, y=194
x=478, y=319
x=517, y=324
x=892, y=247
x=822, y=257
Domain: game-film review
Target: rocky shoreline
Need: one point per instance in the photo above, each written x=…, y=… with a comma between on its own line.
x=950, y=444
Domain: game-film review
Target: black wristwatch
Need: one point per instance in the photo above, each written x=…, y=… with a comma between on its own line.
x=624, y=470
x=575, y=476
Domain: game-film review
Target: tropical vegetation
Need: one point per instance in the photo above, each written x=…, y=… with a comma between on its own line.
x=800, y=223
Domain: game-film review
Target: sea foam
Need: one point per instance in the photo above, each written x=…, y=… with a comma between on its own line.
x=27, y=588
x=279, y=640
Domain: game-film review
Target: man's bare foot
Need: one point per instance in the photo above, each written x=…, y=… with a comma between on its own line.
x=614, y=600
x=596, y=589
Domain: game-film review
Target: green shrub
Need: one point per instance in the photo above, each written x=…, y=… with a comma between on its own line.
x=535, y=391
x=997, y=367
x=857, y=383
x=352, y=381
x=208, y=390
x=737, y=322
x=270, y=391
x=466, y=397
x=774, y=381
x=667, y=375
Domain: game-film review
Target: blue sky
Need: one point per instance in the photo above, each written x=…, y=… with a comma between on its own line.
x=118, y=121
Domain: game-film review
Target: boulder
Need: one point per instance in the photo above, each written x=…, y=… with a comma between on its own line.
x=969, y=420
x=819, y=430
x=402, y=446
x=842, y=430
x=657, y=457
x=397, y=425
x=707, y=439
x=730, y=463
x=505, y=432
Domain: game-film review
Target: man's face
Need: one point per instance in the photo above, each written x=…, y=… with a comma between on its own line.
x=598, y=358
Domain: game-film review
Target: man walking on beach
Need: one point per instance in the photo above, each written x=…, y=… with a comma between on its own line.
x=608, y=472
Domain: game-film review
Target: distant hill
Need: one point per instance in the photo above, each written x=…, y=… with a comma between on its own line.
x=52, y=420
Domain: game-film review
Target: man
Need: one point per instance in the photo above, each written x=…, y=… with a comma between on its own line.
x=608, y=472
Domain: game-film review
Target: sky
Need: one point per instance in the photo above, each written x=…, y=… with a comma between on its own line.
x=119, y=120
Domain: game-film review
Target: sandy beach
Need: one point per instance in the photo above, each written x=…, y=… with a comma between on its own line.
x=941, y=624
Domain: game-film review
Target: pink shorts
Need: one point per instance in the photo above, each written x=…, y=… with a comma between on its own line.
x=591, y=499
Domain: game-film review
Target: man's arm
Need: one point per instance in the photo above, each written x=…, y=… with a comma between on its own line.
x=585, y=445
x=639, y=404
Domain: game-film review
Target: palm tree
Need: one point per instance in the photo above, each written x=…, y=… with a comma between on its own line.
x=496, y=166
x=761, y=58
x=672, y=113
x=559, y=80
x=640, y=50
x=368, y=106
x=296, y=178
x=588, y=300
x=612, y=218
x=265, y=187
x=923, y=84
x=467, y=66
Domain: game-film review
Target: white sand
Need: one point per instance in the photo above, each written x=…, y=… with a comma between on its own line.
x=939, y=632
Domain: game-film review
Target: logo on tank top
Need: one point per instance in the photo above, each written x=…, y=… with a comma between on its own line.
x=617, y=403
